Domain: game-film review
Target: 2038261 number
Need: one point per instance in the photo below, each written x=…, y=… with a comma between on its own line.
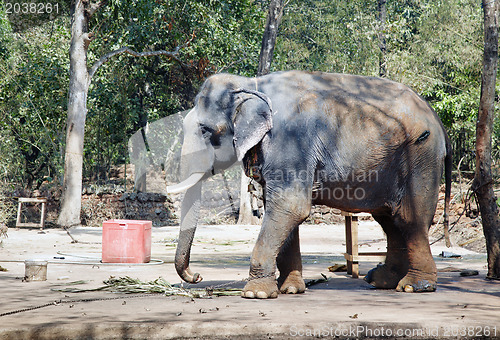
x=470, y=331
x=31, y=8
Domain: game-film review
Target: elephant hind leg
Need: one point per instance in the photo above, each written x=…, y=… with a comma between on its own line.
x=422, y=272
x=289, y=263
x=409, y=252
x=414, y=219
x=388, y=275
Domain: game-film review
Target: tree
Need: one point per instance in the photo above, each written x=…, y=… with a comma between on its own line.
x=431, y=46
x=483, y=180
x=79, y=82
x=130, y=93
x=224, y=39
x=381, y=18
x=77, y=112
x=273, y=21
x=33, y=97
x=275, y=13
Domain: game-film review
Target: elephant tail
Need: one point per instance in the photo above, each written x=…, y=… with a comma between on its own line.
x=447, y=193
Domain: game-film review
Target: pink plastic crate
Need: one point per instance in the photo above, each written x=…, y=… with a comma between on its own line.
x=126, y=241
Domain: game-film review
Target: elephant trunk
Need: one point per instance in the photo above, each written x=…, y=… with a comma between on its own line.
x=197, y=161
x=190, y=211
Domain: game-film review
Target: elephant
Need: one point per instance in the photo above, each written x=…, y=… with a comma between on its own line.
x=356, y=143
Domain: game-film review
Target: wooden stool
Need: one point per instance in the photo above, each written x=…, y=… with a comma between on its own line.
x=42, y=217
x=352, y=255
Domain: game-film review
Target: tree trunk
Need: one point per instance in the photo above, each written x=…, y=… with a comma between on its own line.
x=483, y=181
x=79, y=81
x=274, y=15
x=246, y=214
x=269, y=39
x=77, y=112
x=382, y=18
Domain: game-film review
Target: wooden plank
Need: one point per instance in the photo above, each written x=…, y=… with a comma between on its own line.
x=22, y=200
x=352, y=254
x=32, y=200
x=364, y=257
x=348, y=241
x=28, y=224
x=18, y=220
x=361, y=214
x=351, y=234
x=355, y=250
x=374, y=253
x=42, y=216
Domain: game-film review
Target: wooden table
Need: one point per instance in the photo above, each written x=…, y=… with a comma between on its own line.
x=22, y=200
x=352, y=255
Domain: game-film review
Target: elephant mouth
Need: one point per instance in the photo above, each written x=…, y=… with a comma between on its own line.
x=186, y=184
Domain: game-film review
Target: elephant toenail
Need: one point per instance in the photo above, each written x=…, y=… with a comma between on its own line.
x=409, y=289
x=261, y=295
x=274, y=295
x=249, y=295
x=291, y=290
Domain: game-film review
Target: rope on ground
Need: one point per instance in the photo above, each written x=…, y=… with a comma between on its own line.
x=59, y=302
x=128, y=285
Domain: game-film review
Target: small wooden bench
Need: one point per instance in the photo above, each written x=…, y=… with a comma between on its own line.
x=22, y=200
x=352, y=255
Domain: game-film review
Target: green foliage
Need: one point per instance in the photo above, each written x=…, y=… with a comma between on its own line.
x=7, y=208
x=433, y=46
x=5, y=36
x=24, y=15
x=33, y=91
x=128, y=92
x=441, y=58
x=329, y=36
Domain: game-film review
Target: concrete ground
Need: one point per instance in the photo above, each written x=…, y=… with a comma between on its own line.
x=343, y=307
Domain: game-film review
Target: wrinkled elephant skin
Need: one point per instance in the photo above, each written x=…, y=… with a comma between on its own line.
x=354, y=143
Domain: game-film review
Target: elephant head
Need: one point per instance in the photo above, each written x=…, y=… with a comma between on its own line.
x=228, y=119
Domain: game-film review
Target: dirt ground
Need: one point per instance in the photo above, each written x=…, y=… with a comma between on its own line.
x=342, y=307
x=221, y=205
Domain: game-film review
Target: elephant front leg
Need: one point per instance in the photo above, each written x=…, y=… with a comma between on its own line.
x=289, y=264
x=262, y=279
x=282, y=218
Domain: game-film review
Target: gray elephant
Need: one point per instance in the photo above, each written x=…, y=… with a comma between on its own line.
x=359, y=144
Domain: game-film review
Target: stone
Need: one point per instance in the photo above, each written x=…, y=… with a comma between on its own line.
x=469, y=272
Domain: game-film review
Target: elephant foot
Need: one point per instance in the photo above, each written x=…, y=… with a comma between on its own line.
x=293, y=283
x=417, y=282
x=263, y=288
x=384, y=277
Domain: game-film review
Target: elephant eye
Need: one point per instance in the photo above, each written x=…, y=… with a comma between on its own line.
x=206, y=131
x=210, y=135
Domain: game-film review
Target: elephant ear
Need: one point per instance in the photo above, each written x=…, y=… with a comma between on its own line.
x=252, y=119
